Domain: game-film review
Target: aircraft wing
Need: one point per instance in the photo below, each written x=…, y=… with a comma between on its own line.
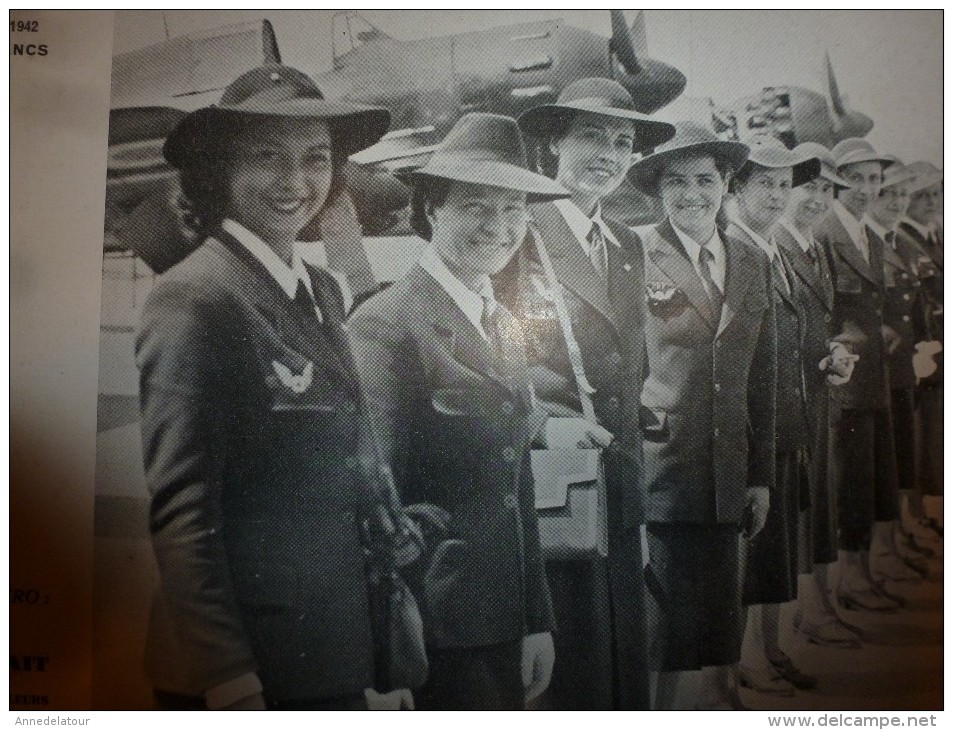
x=190, y=71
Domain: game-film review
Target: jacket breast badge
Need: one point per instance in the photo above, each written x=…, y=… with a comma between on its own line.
x=295, y=382
x=665, y=300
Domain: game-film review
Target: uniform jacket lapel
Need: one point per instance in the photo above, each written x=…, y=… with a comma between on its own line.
x=463, y=342
x=843, y=245
x=801, y=264
x=624, y=268
x=740, y=270
x=667, y=253
x=740, y=234
x=572, y=266
x=281, y=322
x=893, y=260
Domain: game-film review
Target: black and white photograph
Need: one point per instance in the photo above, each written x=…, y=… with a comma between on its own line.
x=520, y=360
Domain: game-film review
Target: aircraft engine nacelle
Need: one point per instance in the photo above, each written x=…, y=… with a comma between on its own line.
x=794, y=115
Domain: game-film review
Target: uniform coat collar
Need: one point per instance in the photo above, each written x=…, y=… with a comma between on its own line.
x=842, y=245
x=465, y=343
x=572, y=266
x=326, y=346
x=819, y=283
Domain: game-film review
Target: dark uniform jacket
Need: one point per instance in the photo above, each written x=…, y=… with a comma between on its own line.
x=815, y=290
x=904, y=310
x=791, y=431
x=251, y=433
x=455, y=420
x=858, y=311
x=608, y=322
x=708, y=414
x=930, y=272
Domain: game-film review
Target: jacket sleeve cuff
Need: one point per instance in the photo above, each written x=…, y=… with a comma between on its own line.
x=227, y=693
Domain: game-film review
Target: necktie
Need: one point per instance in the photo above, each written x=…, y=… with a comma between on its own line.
x=864, y=245
x=812, y=255
x=597, y=250
x=497, y=322
x=306, y=304
x=891, y=238
x=780, y=272
x=706, y=260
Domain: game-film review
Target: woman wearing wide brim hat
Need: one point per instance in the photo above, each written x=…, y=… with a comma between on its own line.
x=762, y=189
x=863, y=468
x=444, y=365
x=690, y=139
x=923, y=228
x=481, y=149
x=707, y=411
x=822, y=346
x=896, y=555
x=254, y=444
x=586, y=140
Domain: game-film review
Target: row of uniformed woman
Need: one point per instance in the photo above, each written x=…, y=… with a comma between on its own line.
x=752, y=393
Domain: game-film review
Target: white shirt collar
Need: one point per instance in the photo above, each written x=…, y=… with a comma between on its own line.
x=287, y=277
x=876, y=228
x=768, y=245
x=469, y=302
x=855, y=228
x=923, y=230
x=714, y=244
x=805, y=242
x=580, y=224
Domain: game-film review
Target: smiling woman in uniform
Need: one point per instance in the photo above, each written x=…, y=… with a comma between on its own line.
x=251, y=415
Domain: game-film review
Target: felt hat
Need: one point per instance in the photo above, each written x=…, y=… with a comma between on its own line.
x=690, y=138
x=855, y=149
x=600, y=96
x=769, y=152
x=486, y=149
x=272, y=90
x=828, y=166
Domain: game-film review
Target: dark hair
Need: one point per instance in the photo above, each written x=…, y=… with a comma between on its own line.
x=205, y=181
x=721, y=164
x=429, y=192
x=547, y=163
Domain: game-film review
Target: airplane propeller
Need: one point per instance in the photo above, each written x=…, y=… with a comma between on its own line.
x=847, y=123
x=837, y=102
x=622, y=44
x=653, y=84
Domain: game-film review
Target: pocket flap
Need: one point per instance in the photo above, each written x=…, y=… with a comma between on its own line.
x=555, y=470
x=457, y=401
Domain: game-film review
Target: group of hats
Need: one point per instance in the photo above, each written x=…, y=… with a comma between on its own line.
x=917, y=175
x=488, y=149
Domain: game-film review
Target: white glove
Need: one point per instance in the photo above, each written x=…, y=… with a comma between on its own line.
x=839, y=365
x=398, y=699
x=538, y=658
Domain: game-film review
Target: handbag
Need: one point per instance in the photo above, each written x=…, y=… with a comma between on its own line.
x=570, y=485
x=400, y=655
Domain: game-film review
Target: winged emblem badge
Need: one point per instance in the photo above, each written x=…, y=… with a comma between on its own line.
x=295, y=382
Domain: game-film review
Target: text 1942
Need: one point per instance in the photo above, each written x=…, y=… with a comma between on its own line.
x=24, y=26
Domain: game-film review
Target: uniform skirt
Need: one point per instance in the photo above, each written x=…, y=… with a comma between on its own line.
x=695, y=578
x=773, y=566
x=819, y=521
x=929, y=430
x=863, y=471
